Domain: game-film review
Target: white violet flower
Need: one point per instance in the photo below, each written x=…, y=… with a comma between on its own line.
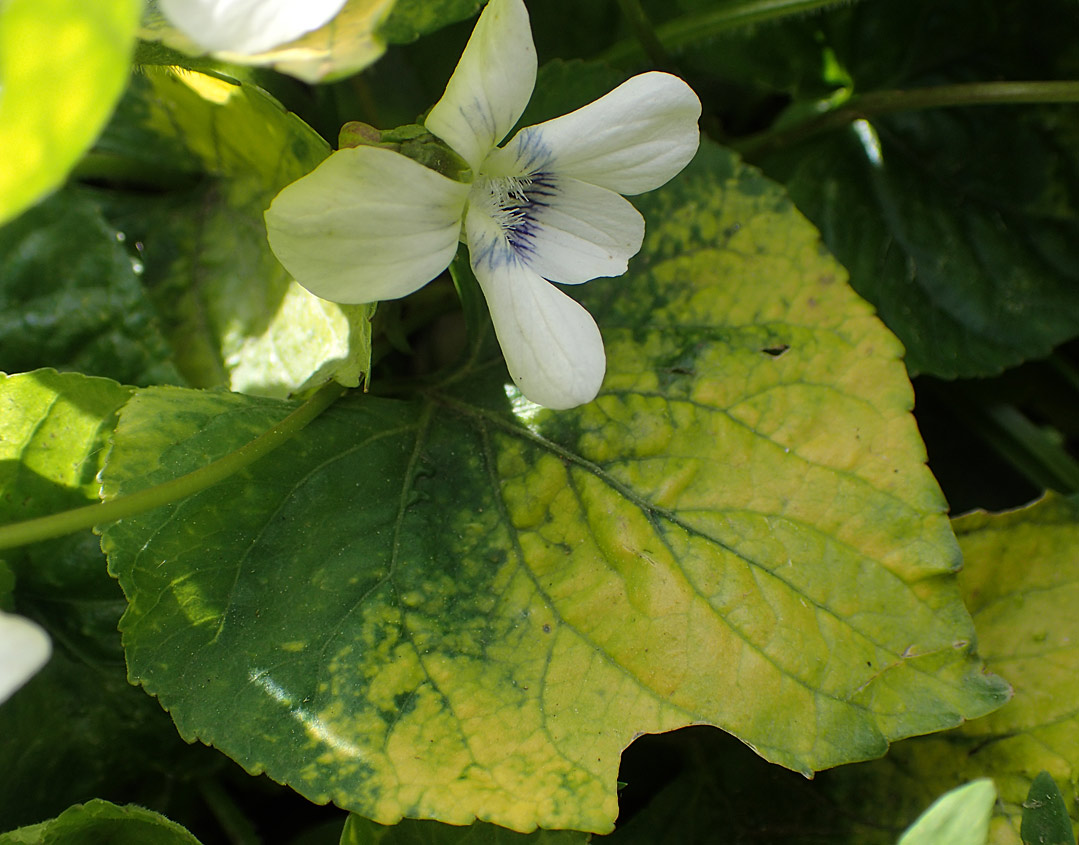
x=370, y=224
x=248, y=26
x=24, y=649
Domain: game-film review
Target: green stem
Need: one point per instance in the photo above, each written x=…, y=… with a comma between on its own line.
x=1064, y=368
x=879, y=103
x=79, y=519
x=1027, y=447
x=737, y=13
x=645, y=33
x=234, y=823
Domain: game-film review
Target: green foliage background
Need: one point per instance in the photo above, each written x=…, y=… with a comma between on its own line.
x=459, y=616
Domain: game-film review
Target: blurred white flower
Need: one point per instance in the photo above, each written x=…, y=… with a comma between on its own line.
x=24, y=649
x=248, y=26
x=371, y=224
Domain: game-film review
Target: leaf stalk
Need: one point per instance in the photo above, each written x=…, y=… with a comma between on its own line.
x=877, y=103
x=689, y=29
x=79, y=519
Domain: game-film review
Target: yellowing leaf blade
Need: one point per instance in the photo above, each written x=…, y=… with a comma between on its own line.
x=464, y=606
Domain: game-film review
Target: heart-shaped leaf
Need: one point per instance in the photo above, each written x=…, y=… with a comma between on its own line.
x=465, y=606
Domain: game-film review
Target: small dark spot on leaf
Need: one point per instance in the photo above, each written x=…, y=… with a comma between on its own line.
x=776, y=351
x=546, y=629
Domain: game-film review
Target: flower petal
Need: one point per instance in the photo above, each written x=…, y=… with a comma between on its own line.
x=578, y=231
x=632, y=140
x=248, y=26
x=552, y=346
x=366, y=224
x=24, y=649
x=491, y=85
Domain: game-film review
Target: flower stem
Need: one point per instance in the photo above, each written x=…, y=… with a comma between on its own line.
x=879, y=103
x=688, y=29
x=79, y=519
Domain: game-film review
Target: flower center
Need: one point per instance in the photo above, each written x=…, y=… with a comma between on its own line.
x=513, y=202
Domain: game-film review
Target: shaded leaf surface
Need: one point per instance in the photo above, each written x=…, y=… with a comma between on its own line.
x=70, y=297
x=100, y=821
x=345, y=45
x=236, y=317
x=56, y=100
x=972, y=283
x=409, y=19
x=964, y=233
x=53, y=435
x=78, y=729
x=706, y=788
x=463, y=605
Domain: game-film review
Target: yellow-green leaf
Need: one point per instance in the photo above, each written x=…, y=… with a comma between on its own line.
x=99, y=821
x=1019, y=580
x=345, y=45
x=54, y=429
x=1021, y=587
x=464, y=606
x=63, y=65
x=959, y=817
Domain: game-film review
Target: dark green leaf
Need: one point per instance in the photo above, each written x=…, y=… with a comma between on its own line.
x=1045, y=816
x=958, y=224
x=409, y=19
x=971, y=281
x=70, y=296
x=78, y=729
